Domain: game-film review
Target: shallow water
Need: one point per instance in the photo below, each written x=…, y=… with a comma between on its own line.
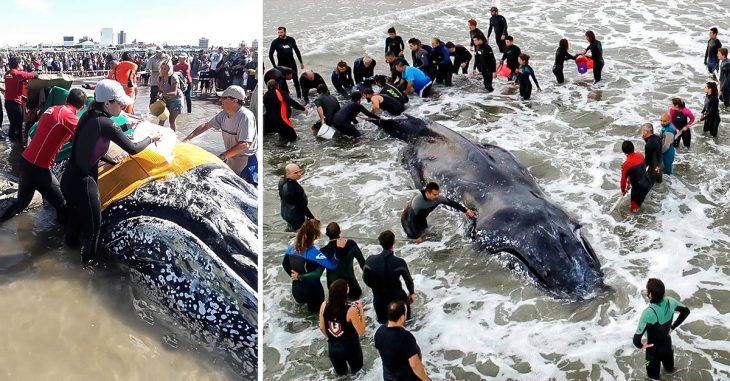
x=62, y=322
x=475, y=319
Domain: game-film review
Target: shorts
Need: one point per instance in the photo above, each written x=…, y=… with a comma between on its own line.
x=251, y=172
x=174, y=104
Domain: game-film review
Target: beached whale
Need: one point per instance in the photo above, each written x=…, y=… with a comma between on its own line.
x=185, y=227
x=514, y=215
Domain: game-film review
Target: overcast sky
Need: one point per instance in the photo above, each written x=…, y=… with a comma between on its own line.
x=178, y=22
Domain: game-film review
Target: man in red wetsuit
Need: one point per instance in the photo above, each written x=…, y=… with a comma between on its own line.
x=14, y=79
x=634, y=176
x=55, y=127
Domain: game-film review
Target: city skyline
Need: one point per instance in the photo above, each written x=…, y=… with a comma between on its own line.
x=52, y=20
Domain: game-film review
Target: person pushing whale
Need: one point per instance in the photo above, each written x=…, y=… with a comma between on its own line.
x=415, y=214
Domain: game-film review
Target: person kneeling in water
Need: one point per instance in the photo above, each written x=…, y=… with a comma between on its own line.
x=634, y=176
x=414, y=216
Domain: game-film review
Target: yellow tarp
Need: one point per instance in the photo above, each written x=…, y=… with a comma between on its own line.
x=119, y=181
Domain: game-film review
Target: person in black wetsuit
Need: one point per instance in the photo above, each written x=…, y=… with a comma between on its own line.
x=524, y=73
x=713, y=44
x=394, y=43
x=596, y=49
x=342, y=78
x=415, y=214
x=310, y=81
x=499, y=24
x=398, y=349
x=382, y=273
x=383, y=102
x=656, y=322
x=484, y=62
x=277, y=110
x=441, y=60
x=461, y=55
x=363, y=68
x=561, y=55
x=474, y=31
x=285, y=47
x=294, y=201
x=388, y=89
x=711, y=110
x=281, y=74
x=652, y=153
x=342, y=323
x=634, y=176
x=327, y=106
x=91, y=141
x=345, y=119
x=345, y=251
x=511, y=55
x=304, y=264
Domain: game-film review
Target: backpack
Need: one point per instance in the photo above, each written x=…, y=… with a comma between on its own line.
x=182, y=81
x=679, y=119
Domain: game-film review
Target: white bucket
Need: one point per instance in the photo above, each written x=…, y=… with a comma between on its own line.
x=326, y=132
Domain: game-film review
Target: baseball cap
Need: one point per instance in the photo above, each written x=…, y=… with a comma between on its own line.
x=233, y=92
x=109, y=89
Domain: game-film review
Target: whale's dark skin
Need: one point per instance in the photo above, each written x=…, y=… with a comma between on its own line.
x=514, y=215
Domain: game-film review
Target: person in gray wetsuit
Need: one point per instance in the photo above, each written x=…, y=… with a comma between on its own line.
x=414, y=216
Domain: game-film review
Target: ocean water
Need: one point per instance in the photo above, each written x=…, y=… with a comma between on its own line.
x=474, y=318
x=61, y=322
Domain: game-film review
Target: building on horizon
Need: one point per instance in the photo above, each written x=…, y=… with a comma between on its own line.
x=107, y=36
x=68, y=40
x=203, y=43
x=122, y=38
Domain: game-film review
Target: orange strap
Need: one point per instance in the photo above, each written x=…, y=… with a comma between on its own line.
x=283, y=108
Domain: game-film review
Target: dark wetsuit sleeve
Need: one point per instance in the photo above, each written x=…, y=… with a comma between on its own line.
x=316, y=274
x=368, y=277
x=453, y=204
x=357, y=253
x=489, y=31
x=272, y=49
x=637, y=339
x=286, y=264
x=402, y=270
x=115, y=134
x=402, y=45
x=504, y=31
x=683, y=313
x=336, y=82
x=366, y=112
x=532, y=74
x=297, y=199
x=296, y=50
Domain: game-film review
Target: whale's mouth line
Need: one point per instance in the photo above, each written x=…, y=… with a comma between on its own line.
x=535, y=274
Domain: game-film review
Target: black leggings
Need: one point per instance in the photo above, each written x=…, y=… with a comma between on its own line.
x=84, y=211
x=597, y=69
x=653, y=362
x=15, y=118
x=34, y=178
x=685, y=137
x=559, y=75
x=444, y=73
x=345, y=352
x=526, y=91
x=309, y=292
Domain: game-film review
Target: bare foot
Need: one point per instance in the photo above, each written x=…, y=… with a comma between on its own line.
x=419, y=240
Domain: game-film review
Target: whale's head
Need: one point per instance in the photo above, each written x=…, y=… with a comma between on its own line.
x=546, y=243
x=404, y=127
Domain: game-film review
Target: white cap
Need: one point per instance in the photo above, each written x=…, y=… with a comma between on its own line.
x=233, y=92
x=109, y=89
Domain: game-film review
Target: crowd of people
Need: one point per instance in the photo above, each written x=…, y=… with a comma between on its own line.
x=341, y=315
x=76, y=196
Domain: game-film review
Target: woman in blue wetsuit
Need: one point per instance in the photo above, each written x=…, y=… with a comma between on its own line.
x=304, y=263
x=524, y=73
x=91, y=140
